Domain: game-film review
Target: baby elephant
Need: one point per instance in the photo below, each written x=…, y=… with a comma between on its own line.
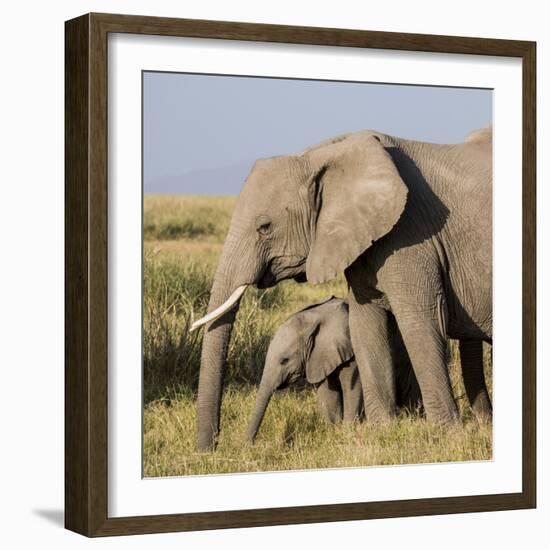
x=315, y=344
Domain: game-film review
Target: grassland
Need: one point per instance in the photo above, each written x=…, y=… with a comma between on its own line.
x=183, y=239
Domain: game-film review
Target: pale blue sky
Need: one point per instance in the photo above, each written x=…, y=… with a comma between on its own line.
x=202, y=133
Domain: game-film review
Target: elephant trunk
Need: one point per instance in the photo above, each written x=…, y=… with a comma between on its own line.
x=236, y=270
x=213, y=358
x=265, y=392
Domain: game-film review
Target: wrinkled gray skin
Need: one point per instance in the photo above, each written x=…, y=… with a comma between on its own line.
x=315, y=344
x=410, y=225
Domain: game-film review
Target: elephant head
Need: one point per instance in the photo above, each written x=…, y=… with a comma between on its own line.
x=306, y=216
x=312, y=344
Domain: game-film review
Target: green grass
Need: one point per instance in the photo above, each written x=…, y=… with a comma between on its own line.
x=178, y=270
x=167, y=218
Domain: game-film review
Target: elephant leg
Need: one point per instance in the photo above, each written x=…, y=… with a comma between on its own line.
x=370, y=338
x=407, y=390
x=329, y=399
x=471, y=360
x=426, y=345
x=352, y=392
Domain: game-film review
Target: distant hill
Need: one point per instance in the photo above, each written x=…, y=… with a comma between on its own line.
x=226, y=180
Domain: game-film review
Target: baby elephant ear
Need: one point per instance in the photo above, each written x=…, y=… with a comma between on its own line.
x=329, y=343
x=360, y=196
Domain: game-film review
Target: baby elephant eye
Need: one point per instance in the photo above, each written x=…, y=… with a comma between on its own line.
x=284, y=361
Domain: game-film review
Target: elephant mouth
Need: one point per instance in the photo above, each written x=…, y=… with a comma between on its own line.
x=281, y=268
x=295, y=381
x=267, y=280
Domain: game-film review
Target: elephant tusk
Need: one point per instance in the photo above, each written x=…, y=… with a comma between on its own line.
x=219, y=311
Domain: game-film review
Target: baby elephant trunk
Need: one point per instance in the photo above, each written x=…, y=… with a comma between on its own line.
x=262, y=401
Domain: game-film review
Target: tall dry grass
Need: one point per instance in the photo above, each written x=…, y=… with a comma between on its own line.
x=175, y=294
x=293, y=437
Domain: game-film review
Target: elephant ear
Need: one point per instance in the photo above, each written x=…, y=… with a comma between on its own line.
x=358, y=195
x=328, y=342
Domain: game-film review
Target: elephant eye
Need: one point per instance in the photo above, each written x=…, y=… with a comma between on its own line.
x=264, y=229
x=284, y=360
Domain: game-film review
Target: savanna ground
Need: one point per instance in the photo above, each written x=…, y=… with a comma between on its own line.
x=183, y=237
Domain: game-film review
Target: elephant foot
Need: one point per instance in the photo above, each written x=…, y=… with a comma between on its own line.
x=445, y=420
x=443, y=415
x=377, y=416
x=483, y=410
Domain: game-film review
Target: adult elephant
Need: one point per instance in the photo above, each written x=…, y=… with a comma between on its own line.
x=409, y=223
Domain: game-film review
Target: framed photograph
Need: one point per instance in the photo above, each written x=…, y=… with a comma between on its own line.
x=300, y=275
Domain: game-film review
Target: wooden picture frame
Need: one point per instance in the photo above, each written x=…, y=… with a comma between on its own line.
x=86, y=282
